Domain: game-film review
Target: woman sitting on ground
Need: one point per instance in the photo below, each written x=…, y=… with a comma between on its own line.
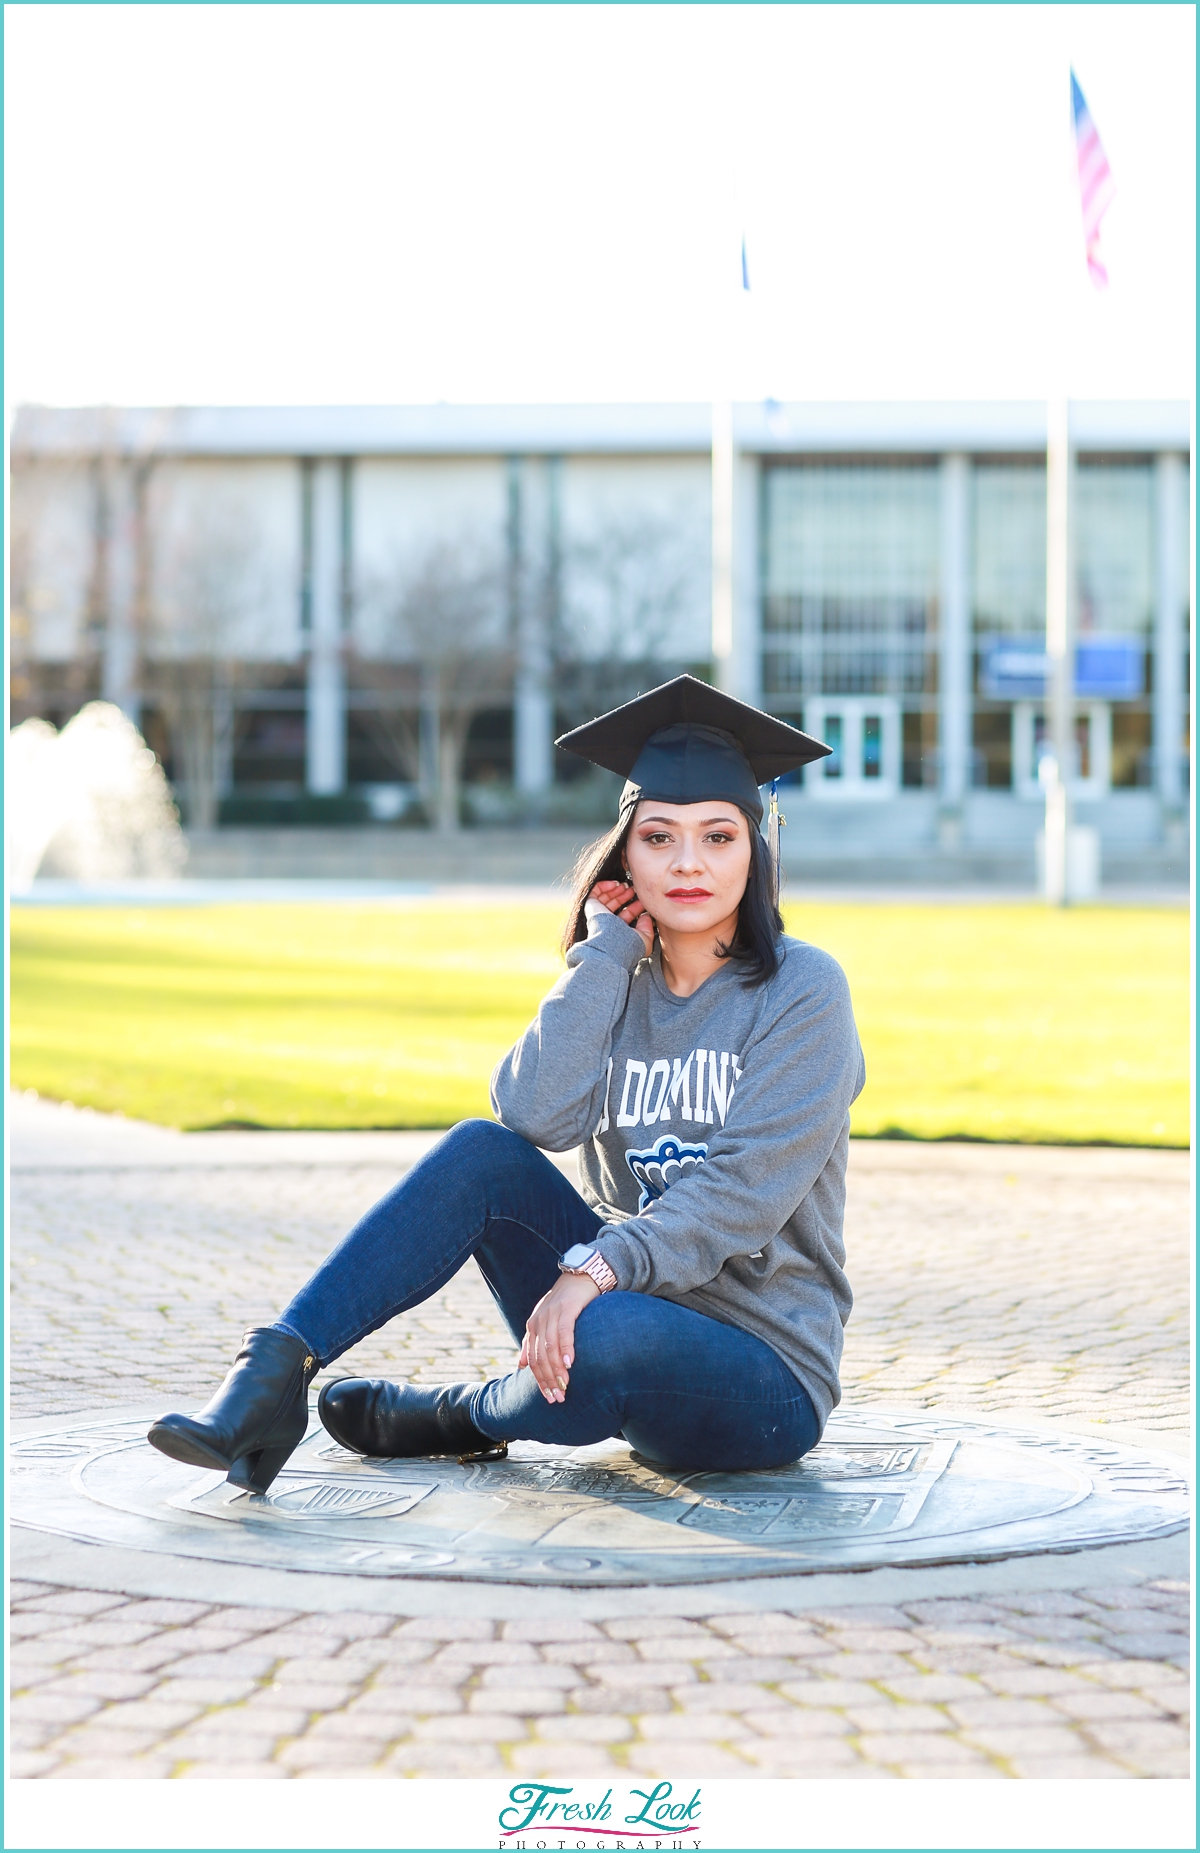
x=691, y=1297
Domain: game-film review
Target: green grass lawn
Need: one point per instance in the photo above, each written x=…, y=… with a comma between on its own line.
x=986, y=1022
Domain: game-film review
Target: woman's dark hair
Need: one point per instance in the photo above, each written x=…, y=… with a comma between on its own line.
x=756, y=942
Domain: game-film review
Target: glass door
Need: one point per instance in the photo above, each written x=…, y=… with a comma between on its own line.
x=863, y=732
x=1091, y=773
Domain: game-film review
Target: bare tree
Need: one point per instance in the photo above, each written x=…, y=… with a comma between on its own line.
x=27, y=501
x=43, y=552
x=631, y=579
x=210, y=587
x=442, y=619
x=390, y=715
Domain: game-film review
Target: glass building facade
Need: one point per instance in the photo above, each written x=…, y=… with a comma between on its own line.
x=879, y=578
x=850, y=608
x=851, y=563
x=1008, y=596
x=1114, y=540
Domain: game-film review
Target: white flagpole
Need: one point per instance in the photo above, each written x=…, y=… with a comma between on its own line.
x=1056, y=766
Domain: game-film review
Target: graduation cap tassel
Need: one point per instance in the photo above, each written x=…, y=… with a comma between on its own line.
x=774, y=824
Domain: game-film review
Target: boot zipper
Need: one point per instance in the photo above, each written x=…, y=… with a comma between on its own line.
x=303, y=1385
x=498, y=1451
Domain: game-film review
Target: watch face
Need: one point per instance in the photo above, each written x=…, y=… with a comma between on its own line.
x=576, y=1256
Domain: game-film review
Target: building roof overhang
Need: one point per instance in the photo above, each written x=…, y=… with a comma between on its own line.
x=766, y=428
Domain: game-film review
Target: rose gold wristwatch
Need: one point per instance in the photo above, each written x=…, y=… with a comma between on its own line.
x=589, y=1261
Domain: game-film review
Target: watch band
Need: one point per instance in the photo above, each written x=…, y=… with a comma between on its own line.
x=596, y=1268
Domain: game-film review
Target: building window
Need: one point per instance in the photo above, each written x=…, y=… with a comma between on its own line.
x=991, y=748
x=1114, y=551
x=1132, y=747
x=269, y=750
x=850, y=580
x=488, y=753
x=850, y=575
x=920, y=763
x=1113, y=512
x=1008, y=598
x=1008, y=564
x=1114, y=547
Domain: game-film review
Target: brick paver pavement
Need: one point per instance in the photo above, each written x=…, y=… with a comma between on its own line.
x=1045, y=1282
x=1085, y=1684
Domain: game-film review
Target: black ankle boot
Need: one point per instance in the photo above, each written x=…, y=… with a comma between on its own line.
x=402, y=1420
x=256, y=1419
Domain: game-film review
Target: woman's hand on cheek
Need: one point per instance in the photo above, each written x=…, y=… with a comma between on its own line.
x=548, y=1348
x=621, y=898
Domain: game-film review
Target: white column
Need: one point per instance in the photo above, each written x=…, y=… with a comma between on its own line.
x=954, y=667
x=529, y=582
x=326, y=726
x=1169, y=598
x=533, y=728
x=722, y=543
x=736, y=623
x=119, y=667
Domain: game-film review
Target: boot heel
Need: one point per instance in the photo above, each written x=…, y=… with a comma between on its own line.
x=256, y=1471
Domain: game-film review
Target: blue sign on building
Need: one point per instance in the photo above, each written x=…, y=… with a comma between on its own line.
x=1013, y=669
x=1110, y=668
x=1106, y=668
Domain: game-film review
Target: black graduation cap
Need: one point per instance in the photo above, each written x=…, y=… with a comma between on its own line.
x=686, y=742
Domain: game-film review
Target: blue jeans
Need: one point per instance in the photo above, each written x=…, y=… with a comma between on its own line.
x=681, y=1388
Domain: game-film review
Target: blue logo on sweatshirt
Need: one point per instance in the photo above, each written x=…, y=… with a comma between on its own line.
x=663, y=1165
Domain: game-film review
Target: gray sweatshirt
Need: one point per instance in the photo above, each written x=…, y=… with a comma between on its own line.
x=713, y=1132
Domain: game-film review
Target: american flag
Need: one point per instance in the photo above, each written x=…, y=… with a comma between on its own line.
x=1096, y=184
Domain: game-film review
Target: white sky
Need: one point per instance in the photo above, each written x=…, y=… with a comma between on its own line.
x=346, y=204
